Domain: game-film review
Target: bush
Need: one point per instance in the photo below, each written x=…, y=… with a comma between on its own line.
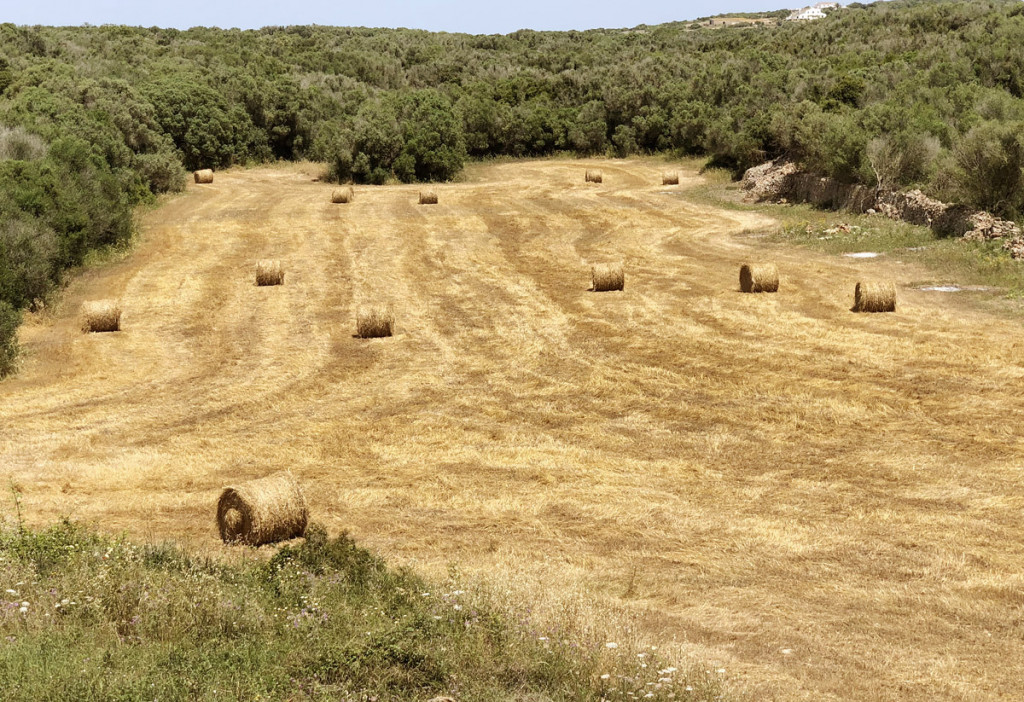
x=990, y=159
x=10, y=318
x=16, y=144
x=28, y=261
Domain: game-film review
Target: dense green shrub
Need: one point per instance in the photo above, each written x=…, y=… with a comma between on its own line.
x=10, y=318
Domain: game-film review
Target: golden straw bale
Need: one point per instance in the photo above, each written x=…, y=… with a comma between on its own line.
x=269, y=273
x=670, y=178
x=374, y=321
x=101, y=316
x=874, y=296
x=262, y=511
x=342, y=195
x=594, y=176
x=428, y=197
x=607, y=276
x=203, y=176
x=759, y=277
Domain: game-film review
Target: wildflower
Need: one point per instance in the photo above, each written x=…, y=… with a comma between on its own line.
x=611, y=644
x=649, y=694
x=641, y=655
x=23, y=610
x=24, y=604
x=542, y=638
x=667, y=671
x=11, y=592
x=605, y=676
x=720, y=671
x=787, y=651
x=664, y=680
x=689, y=688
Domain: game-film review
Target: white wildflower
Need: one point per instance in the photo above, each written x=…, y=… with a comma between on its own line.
x=611, y=644
x=605, y=676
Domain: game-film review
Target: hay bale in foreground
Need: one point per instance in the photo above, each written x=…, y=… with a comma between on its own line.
x=607, y=276
x=594, y=176
x=262, y=511
x=342, y=196
x=759, y=277
x=374, y=322
x=269, y=273
x=203, y=176
x=101, y=316
x=670, y=178
x=428, y=197
x=874, y=296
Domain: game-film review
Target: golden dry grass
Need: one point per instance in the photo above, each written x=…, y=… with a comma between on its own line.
x=827, y=505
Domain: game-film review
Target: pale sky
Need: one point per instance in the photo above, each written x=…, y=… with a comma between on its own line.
x=473, y=16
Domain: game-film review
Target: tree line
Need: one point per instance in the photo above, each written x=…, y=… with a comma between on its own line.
x=95, y=120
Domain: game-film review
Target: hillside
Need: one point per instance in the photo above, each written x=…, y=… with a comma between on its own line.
x=824, y=505
x=94, y=120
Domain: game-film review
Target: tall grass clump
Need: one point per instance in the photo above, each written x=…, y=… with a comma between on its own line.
x=84, y=616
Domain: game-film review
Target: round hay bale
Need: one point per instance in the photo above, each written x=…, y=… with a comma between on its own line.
x=594, y=176
x=874, y=296
x=428, y=197
x=374, y=322
x=759, y=277
x=670, y=178
x=607, y=276
x=101, y=316
x=269, y=273
x=262, y=511
x=203, y=176
x=342, y=196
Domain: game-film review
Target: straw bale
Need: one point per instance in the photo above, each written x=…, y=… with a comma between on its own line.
x=759, y=277
x=262, y=511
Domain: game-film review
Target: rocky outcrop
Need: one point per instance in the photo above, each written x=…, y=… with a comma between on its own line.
x=768, y=182
x=782, y=181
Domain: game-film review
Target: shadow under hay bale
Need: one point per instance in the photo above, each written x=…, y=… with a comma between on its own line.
x=670, y=179
x=262, y=511
x=874, y=297
x=269, y=273
x=594, y=176
x=203, y=176
x=428, y=197
x=342, y=196
x=101, y=316
x=374, y=322
x=759, y=277
x=605, y=277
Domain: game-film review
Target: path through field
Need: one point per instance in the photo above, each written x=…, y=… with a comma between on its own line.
x=828, y=505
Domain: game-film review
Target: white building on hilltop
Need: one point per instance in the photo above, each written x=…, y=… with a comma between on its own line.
x=813, y=12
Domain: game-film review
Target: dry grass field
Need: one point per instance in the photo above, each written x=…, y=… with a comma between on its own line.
x=827, y=505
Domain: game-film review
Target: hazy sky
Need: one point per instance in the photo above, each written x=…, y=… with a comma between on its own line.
x=475, y=16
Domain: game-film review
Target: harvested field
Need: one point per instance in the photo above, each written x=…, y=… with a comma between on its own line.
x=826, y=505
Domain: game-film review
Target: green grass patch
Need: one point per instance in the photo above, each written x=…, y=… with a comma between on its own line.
x=949, y=259
x=83, y=616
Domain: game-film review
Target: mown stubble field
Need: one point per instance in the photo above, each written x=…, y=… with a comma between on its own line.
x=827, y=505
